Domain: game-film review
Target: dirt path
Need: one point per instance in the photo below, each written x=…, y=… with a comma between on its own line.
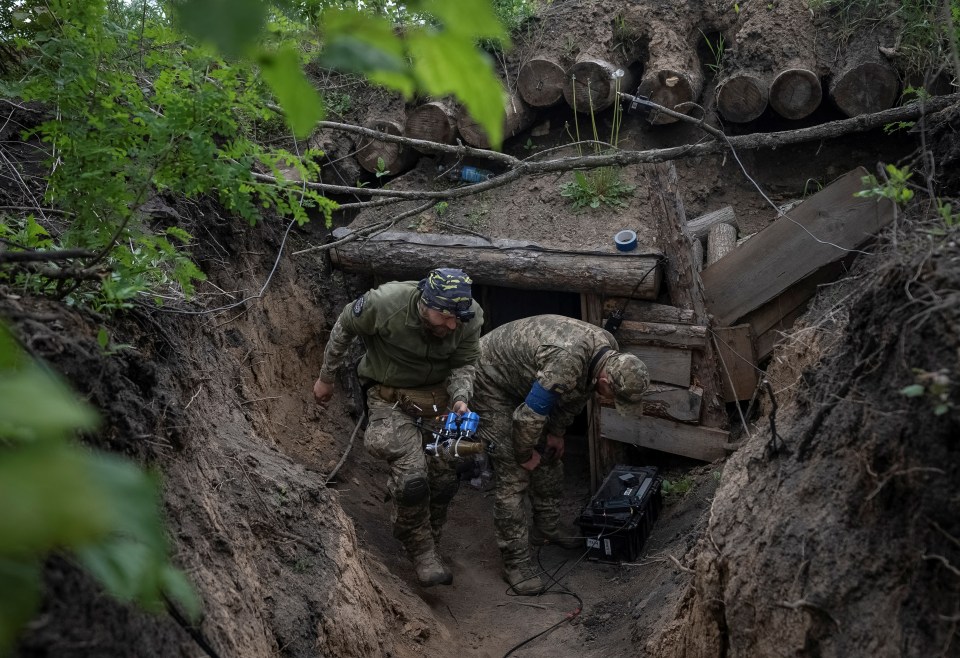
x=482, y=619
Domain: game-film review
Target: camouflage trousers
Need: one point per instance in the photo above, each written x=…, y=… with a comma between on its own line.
x=543, y=486
x=421, y=487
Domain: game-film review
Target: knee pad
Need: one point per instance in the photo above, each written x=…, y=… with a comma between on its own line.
x=446, y=492
x=412, y=490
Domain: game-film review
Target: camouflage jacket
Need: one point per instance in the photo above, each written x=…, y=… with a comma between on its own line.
x=551, y=350
x=398, y=351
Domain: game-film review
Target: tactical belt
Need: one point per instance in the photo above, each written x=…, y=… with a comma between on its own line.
x=424, y=402
x=591, y=375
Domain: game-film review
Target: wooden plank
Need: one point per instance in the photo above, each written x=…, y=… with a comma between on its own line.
x=769, y=339
x=819, y=231
x=686, y=289
x=694, y=441
x=662, y=333
x=738, y=361
x=670, y=365
x=673, y=402
x=590, y=312
x=644, y=311
x=770, y=314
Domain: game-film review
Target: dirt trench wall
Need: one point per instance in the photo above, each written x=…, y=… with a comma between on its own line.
x=845, y=543
x=204, y=399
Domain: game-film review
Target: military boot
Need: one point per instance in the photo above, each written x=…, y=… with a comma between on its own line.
x=567, y=538
x=430, y=570
x=523, y=578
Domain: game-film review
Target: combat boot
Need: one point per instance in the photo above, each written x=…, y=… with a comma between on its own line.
x=430, y=570
x=523, y=579
x=564, y=538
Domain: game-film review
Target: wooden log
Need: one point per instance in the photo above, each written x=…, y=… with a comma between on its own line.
x=403, y=255
x=592, y=83
x=395, y=158
x=518, y=116
x=742, y=96
x=541, y=82
x=435, y=121
x=672, y=75
x=338, y=165
x=673, y=402
x=685, y=287
x=661, y=333
x=821, y=230
x=721, y=240
x=670, y=365
x=699, y=227
x=795, y=93
x=647, y=311
x=697, y=249
x=738, y=361
x=864, y=82
x=701, y=443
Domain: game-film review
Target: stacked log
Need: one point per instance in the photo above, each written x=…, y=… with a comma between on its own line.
x=435, y=121
x=771, y=61
x=337, y=164
x=395, y=158
x=541, y=81
x=672, y=76
x=864, y=81
x=518, y=116
x=592, y=84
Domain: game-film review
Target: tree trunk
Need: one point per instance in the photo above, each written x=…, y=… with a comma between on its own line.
x=435, y=121
x=518, y=117
x=864, y=82
x=672, y=75
x=591, y=83
x=394, y=158
x=541, y=81
x=742, y=96
x=403, y=255
x=721, y=240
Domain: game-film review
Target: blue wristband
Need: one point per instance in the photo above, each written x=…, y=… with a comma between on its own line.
x=540, y=399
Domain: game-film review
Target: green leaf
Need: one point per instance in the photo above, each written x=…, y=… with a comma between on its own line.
x=20, y=584
x=34, y=403
x=469, y=18
x=912, y=391
x=231, y=25
x=445, y=64
x=941, y=409
x=103, y=338
x=51, y=499
x=299, y=99
x=348, y=54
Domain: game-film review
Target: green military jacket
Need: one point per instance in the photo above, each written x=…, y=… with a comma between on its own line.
x=398, y=351
x=553, y=350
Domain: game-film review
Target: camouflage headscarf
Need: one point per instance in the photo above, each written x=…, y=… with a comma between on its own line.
x=629, y=378
x=448, y=290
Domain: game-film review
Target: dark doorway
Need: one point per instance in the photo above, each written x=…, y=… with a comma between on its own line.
x=502, y=305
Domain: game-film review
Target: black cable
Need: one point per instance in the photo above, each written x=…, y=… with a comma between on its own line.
x=191, y=630
x=616, y=318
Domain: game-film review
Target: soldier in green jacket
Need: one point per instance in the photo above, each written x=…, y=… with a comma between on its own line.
x=422, y=341
x=535, y=375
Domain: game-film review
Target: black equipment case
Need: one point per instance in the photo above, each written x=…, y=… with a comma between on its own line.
x=619, y=518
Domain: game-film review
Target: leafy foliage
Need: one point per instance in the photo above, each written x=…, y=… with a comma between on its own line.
x=58, y=496
x=896, y=187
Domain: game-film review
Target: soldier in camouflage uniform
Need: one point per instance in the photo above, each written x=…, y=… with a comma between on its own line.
x=422, y=341
x=535, y=375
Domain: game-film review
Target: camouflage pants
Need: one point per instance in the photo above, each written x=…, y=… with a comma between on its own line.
x=420, y=487
x=544, y=486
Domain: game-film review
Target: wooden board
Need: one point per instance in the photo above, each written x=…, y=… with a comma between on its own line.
x=590, y=312
x=819, y=231
x=664, y=364
x=694, y=441
x=768, y=340
x=673, y=402
x=644, y=311
x=632, y=332
x=770, y=314
x=738, y=358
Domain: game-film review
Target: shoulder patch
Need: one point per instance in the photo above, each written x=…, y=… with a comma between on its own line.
x=358, y=306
